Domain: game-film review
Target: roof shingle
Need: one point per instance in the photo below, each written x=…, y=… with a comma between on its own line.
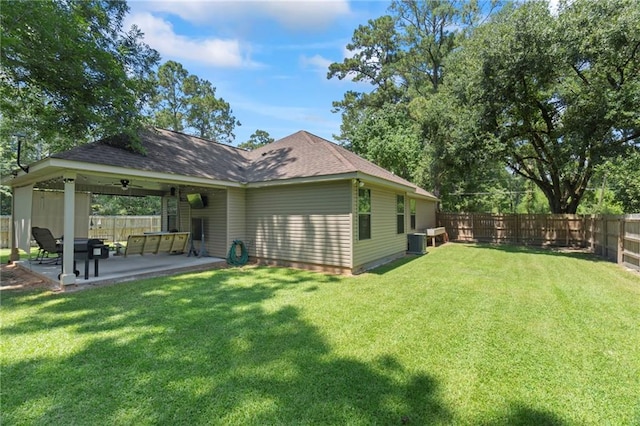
x=299, y=155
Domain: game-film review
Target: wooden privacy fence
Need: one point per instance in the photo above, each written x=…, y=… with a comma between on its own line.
x=616, y=238
x=118, y=228
x=110, y=228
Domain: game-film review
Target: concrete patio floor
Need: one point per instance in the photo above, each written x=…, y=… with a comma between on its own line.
x=118, y=269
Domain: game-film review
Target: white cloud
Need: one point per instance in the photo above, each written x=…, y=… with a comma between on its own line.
x=305, y=14
x=316, y=62
x=293, y=14
x=160, y=35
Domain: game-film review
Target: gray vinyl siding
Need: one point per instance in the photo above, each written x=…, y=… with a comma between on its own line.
x=163, y=214
x=215, y=221
x=425, y=214
x=236, y=210
x=385, y=241
x=308, y=223
x=184, y=216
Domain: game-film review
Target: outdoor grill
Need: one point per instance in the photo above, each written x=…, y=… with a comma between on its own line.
x=88, y=249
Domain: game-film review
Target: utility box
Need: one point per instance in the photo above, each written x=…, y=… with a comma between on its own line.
x=417, y=243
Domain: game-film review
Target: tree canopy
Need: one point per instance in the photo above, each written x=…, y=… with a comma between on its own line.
x=185, y=102
x=403, y=123
x=462, y=97
x=70, y=72
x=554, y=96
x=256, y=140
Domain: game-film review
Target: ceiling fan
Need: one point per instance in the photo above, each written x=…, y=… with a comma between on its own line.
x=125, y=184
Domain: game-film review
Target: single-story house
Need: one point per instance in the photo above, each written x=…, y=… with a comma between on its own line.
x=300, y=201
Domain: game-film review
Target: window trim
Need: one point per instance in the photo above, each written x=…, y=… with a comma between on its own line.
x=400, y=215
x=412, y=213
x=364, y=214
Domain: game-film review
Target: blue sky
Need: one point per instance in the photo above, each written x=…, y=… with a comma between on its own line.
x=268, y=59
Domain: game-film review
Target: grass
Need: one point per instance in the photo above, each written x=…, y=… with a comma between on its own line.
x=464, y=335
x=5, y=253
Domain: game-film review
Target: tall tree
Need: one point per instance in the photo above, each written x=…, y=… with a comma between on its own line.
x=402, y=55
x=554, y=95
x=185, y=102
x=256, y=140
x=169, y=104
x=210, y=117
x=70, y=72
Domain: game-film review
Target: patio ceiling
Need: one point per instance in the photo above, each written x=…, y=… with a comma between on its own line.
x=139, y=183
x=111, y=184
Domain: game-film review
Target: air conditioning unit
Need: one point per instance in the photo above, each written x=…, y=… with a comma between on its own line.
x=417, y=243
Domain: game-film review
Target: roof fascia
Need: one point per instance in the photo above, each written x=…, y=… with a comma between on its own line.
x=54, y=166
x=411, y=190
x=384, y=182
x=423, y=197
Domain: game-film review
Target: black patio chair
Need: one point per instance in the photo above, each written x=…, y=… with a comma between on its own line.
x=47, y=245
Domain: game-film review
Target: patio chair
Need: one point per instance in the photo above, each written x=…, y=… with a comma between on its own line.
x=47, y=245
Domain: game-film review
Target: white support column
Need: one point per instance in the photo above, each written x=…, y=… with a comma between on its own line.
x=68, y=276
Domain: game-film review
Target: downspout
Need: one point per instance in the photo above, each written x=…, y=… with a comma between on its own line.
x=24, y=168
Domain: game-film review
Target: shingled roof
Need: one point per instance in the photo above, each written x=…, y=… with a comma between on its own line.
x=300, y=155
x=167, y=152
x=303, y=154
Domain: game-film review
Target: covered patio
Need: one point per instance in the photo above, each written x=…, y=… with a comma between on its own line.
x=55, y=193
x=117, y=269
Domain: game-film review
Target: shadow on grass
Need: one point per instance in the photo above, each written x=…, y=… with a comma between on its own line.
x=549, y=251
x=218, y=348
x=388, y=267
x=520, y=415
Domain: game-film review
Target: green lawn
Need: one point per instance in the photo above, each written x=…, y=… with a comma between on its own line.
x=464, y=335
x=6, y=253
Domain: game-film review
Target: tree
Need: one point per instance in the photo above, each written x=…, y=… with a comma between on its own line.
x=169, y=104
x=185, y=102
x=389, y=137
x=70, y=72
x=554, y=95
x=623, y=177
x=211, y=117
x=400, y=124
x=256, y=140
x=114, y=205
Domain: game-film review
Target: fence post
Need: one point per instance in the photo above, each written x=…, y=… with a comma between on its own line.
x=473, y=221
x=605, y=237
x=591, y=236
x=621, y=231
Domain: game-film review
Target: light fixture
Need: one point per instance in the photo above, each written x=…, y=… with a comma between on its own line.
x=125, y=184
x=360, y=183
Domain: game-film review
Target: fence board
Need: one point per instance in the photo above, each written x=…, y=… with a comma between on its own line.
x=554, y=230
x=616, y=238
x=631, y=242
x=109, y=228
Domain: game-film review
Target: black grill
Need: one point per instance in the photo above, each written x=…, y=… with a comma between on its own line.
x=89, y=249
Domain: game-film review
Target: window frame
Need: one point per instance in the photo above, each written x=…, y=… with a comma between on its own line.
x=412, y=213
x=171, y=209
x=400, y=214
x=362, y=214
